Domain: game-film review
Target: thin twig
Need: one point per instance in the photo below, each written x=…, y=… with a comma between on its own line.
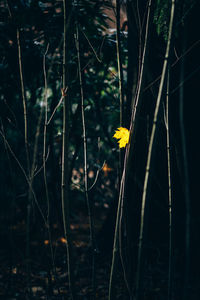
x=24, y=173
x=65, y=148
x=184, y=80
x=57, y=106
x=27, y=162
x=169, y=189
x=44, y=156
x=24, y=101
x=172, y=65
x=42, y=166
x=98, y=59
x=96, y=177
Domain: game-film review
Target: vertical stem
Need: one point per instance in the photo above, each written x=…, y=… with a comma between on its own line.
x=120, y=76
x=116, y=239
x=126, y=161
x=24, y=101
x=91, y=220
x=149, y=156
x=119, y=63
x=121, y=156
x=169, y=190
x=44, y=155
x=45, y=131
x=65, y=149
x=27, y=162
x=141, y=70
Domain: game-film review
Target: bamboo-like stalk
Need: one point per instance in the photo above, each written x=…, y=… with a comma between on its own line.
x=128, y=155
x=141, y=70
x=24, y=101
x=121, y=97
x=116, y=240
x=91, y=219
x=150, y=150
x=65, y=149
x=45, y=133
x=44, y=155
x=27, y=162
x=169, y=189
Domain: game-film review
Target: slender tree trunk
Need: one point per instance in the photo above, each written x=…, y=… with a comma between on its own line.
x=169, y=188
x=28, y=170
x=65, y=147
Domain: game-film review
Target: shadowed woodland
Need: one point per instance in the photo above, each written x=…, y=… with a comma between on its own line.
x=82, y=218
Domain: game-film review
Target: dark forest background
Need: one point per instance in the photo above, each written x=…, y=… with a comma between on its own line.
x=81, y=218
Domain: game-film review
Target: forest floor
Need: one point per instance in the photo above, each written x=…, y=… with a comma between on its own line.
x=47, y=267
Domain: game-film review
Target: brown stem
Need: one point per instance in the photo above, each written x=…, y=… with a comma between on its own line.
x=65, y=150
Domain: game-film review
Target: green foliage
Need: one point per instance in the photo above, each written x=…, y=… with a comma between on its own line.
x=161, y=17
x=162, y=12
x=41, y=23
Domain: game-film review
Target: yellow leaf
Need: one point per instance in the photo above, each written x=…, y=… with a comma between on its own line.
x=122, y=134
